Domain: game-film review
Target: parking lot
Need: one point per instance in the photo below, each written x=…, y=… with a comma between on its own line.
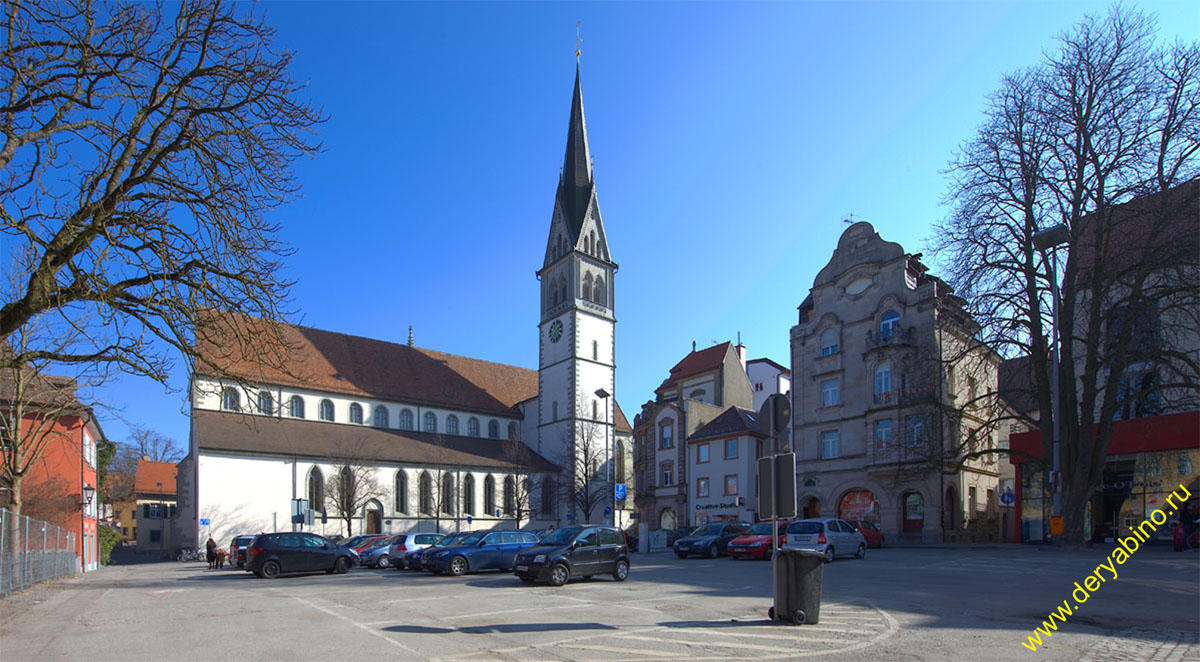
x=902, y=604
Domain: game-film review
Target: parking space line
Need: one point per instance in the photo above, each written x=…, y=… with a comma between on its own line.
x=364, y=628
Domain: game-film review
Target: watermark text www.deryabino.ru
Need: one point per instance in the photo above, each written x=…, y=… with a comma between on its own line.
x=1107, y=570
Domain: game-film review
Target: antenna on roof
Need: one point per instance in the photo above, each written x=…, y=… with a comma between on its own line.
x=578, y=41
x=410, y=342
x=849, y=220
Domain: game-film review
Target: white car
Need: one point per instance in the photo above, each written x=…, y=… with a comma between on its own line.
x=404, y=543
x=830, y=536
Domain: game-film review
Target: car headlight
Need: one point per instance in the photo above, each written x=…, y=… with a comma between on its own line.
x=756, y=544
x=540, y=558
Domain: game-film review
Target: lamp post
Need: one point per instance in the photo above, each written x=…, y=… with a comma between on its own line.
x=89, y=493
x=612, y=497
x=1048, y=240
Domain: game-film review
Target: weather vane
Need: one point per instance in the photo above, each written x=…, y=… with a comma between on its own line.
x=578, y=41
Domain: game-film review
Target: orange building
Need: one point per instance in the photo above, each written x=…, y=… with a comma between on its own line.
x=154, y=490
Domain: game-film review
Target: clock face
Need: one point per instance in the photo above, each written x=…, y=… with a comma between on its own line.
x=555, y=330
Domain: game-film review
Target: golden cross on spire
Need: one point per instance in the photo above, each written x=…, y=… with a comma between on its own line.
x=578, y=41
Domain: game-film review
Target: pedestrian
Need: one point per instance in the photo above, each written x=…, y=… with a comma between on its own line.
x=211, y=552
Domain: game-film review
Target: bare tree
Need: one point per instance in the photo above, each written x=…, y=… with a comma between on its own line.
x=142, y=154
x=1101, y=139
x=518, y=495
x=154, y=446
x=587, y=487
x=349, y=488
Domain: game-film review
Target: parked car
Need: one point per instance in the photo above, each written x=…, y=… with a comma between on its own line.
x=828, y=536
x=415, y=560
x=631, y=539
x=237, y=551
x=755, y=543
x=375, y=554
x=575, y=551
x=361, y=541
x=870, y=531
x=406, y=543
x=676, y=534
x=709, y=540
x=481, y=550
x=273, y=554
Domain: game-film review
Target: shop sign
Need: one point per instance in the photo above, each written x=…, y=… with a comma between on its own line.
x=1126, y=484
x=715, y=506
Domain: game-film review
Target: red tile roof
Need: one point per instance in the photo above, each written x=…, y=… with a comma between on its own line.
x=695, y=363
x=155, y=477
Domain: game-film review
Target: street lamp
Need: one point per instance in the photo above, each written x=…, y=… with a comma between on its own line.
x=612, y=497
x=89, y=493
x=1048, y=240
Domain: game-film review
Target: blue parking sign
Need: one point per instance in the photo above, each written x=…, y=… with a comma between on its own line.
x=619, y=491
x=203, y=522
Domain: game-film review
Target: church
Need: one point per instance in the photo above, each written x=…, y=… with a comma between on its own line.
x=352, y=435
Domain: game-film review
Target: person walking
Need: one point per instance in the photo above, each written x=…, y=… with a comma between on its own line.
x=211, y=547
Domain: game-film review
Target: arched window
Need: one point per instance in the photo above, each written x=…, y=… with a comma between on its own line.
x=451, y=424
x=296, y=407
x=401, y=492
x=430, y=422
x=514, y=431
x=494, y=429
x=447, y=495
x=548, y=496
x=587, y=288
x=562, y=288
x=231, y=400
x=345, y=485
x=829, y=342
x=325, y=410
x=381, y=416
x=426, y=496
x=554, y=291
x=510, y=495
x=266, y=403
x=883, y=383
x=468, y=494
x=888, y=325
x=316, y=489
x=489, y=496
x=472, y=427
x=599, y=293
x=355, y=413
x=406, y=419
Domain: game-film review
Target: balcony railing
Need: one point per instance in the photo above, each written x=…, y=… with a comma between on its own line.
x=899, y=335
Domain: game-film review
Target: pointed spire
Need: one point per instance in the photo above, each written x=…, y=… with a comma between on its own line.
x=575, y=186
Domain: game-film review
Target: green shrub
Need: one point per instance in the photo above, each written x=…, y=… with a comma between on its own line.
x=109, y=538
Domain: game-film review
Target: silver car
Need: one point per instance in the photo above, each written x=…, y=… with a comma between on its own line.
x=830, y=536
x=404, y=543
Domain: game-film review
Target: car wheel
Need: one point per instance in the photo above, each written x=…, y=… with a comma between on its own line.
x=383, y=562
x=270, y=570
x=861, y=552
x=621, y=571
x=829, y=554
x=342, y=565
x=771, y=613
x=559, y=575
x=713, y=551
x=527, y=580
x=458, y=566
x=681, y=555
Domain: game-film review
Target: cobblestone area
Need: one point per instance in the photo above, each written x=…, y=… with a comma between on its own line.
x=1146, y=645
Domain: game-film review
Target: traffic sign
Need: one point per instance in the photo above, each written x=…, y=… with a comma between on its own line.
x=773, y=418
x=1007, y=498
x=619, y=491
x=607, y=510
x=203, y=521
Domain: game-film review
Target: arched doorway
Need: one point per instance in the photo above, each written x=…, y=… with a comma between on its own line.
x=859, y=504
x=666, y=519
x=374, y=518
x=950, y=510
x=914, y=512
x=811, y=508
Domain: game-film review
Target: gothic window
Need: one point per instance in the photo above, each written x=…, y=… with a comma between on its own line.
x=296, y=407
x=472, y=427
x=430, y=423
x=562, y=288
x=489, y=496
x=599, y=294
x=381, y=416
x=468, y=494
x=447, y=495
x=346, y=484
x=889, y=324
x=401, y=492
x=266, y=404
x=494, y=429
x=356, y=413
x=451, y=424
x=592, y=244
x=406, y=419
x=514, y=431
x=553, y=292
x=316, y=489
x=230, y=399
x=325, y=410
x=510, y=495
x=829, y=342
x=426, y=497
x=547, y=496
x=587, y=288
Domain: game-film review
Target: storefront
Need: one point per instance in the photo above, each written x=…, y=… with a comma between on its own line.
x=1148, y=458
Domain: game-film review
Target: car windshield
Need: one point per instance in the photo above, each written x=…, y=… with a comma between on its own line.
x=448, y=539
x=561, y=536
x=710, y=530
x=378, y=542
x=805, y=527
x=760, y=529
x=473, y=538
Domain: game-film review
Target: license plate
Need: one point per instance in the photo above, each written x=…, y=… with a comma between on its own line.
x=738, y=549
x=522, y=568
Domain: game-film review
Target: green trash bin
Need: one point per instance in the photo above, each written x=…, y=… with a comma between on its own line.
x=798, y=576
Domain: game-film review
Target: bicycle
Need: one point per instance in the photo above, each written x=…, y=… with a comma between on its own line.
x=190, y=555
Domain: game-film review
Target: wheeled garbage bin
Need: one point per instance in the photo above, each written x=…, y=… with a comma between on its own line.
x=798, y=576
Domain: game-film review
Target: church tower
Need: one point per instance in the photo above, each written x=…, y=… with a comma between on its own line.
x=577, y=342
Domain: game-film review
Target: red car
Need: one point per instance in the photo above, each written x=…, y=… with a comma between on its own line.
x=755, y=543
x=871, y=532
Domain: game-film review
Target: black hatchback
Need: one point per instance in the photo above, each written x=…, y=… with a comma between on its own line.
x=272, y=554
x=576, y=551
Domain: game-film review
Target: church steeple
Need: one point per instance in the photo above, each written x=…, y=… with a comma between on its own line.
x=576, y=185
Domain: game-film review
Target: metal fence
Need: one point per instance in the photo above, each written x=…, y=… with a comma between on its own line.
x=33, y=551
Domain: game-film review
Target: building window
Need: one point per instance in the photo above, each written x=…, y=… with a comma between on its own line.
x=666, y=435
x=489, y=496
x=548, y=494
x=701, y=453
x=430, y=422
x=266, y=403
x=731, y=486
x=829, y=342
x=494, y=429
x=889, y=324
x=702, y=487
x=155, y=535
x=829, y=444
x=587, y=287
x=883, y=383
x=601, y=294
x=883, y=434
x=510, y=496
x=230, y=399
x=731, y=449
x=401, y=497
x=914, y=431
x=972, y=504
x=446, y=499
x=514, y=431
x=468, y=495
x=356, y=413
x=668, y=474
x=316, y=489
x=829, y=393
x=426, y=497
x=296, y=407
x=381, y=417
x=595, y=350
x=406, y=419
x=325, y=410
x=451, y=424
x=950, y=380
x=472, y=427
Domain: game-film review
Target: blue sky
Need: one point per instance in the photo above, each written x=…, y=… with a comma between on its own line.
x=729, y=140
